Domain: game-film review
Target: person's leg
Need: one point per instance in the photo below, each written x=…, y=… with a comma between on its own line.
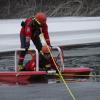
x=37, y=43
x=42, y=59
x=42, y=62
x=22, y=53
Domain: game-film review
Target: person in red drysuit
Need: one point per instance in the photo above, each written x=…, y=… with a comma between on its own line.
x=31, y=30
x=45, y=63
x=49, y=62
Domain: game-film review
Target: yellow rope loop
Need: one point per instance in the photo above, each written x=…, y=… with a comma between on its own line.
x=59, y=73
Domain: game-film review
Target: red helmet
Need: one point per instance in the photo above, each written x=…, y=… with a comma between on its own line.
x=41, y=17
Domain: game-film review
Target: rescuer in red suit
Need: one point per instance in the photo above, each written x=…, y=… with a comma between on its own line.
x=31, y=29
x=49, y=62
x=45, y=62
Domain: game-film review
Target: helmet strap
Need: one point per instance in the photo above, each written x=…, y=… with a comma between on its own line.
x=36, y=21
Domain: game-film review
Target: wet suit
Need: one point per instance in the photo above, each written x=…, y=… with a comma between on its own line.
x=31, y=29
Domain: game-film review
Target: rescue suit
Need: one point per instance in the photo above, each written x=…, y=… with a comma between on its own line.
x=45, y=62
x=31, y=30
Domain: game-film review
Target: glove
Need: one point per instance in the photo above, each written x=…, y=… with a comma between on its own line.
x=27, y=45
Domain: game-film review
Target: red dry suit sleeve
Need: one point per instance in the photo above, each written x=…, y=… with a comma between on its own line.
x=22, y=31
x=28, y=31
x=28, y=28
x=46, y=34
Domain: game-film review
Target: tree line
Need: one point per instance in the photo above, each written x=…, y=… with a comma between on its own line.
x=26, y=8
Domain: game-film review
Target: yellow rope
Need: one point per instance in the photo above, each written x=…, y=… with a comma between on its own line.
x=60, y=75
x=80, y=75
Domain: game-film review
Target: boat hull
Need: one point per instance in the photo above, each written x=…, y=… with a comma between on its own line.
x=24, y=77
x=27, y=77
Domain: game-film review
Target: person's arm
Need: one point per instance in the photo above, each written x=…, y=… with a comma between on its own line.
x=28, y=29
x=46, y=34
x=28, y=32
